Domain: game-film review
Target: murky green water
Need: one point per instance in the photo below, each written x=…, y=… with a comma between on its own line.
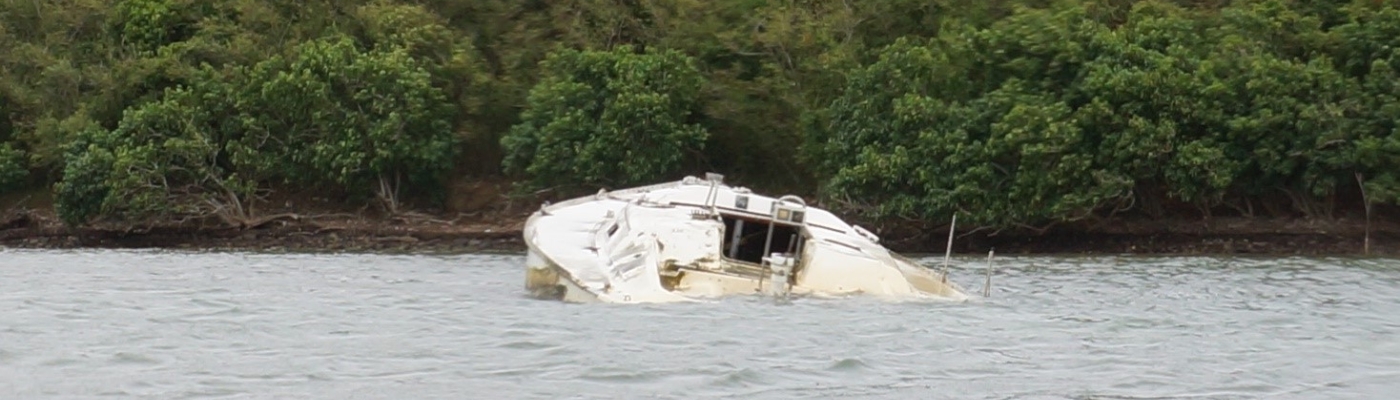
x=145, y=324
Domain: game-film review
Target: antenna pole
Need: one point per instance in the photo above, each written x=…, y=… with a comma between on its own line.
x=949, y=253
x=987, y=288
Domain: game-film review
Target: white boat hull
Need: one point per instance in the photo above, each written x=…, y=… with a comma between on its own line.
x=693, y=240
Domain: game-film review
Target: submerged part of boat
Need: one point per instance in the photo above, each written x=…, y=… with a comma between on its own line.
x=699, y=238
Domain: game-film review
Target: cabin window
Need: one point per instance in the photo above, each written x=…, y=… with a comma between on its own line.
x=744, y=238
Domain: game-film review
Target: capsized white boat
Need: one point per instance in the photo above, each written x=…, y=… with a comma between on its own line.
x=697, y=239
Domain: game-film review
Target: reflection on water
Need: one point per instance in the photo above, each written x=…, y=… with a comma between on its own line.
x=197, y=325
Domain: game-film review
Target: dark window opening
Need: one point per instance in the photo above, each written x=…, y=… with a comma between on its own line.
x=751, y=234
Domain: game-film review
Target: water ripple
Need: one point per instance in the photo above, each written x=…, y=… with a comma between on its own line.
x=156, y=324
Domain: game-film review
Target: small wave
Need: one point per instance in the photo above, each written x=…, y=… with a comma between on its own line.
x=59, y=362
x=724, y=342
x=848, y=364
x=742, y=377
x=528, y=345
x=513, y=371
x=1079, y=318
x=618, y=375
x=133, y=358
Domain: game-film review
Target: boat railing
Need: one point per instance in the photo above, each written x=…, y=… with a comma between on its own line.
x=604, y=193
x=790, y=209
x=860, y=230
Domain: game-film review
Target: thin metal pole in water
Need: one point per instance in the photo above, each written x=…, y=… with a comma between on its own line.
x=767, y=247
x=768, y=242
x=1366, y=242
x=987, y=289
x=763, y=271
x=949, y=254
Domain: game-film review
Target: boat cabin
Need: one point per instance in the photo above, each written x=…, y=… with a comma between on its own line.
x=751, y=238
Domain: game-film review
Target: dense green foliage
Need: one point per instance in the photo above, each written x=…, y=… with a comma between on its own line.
x=606, y=118
x=332, y=115
x=1071, y=116
x=1020, y=112
x=12, y=167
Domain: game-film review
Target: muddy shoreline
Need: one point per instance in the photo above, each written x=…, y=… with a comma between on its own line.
x=304, y=234
x=502, y=233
